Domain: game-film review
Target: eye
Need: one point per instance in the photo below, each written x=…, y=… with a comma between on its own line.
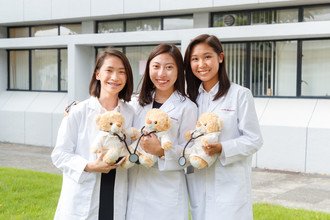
x=169, y=67
x=205, y=124
x=194, y=59
x=155, y=122
x=111, y=123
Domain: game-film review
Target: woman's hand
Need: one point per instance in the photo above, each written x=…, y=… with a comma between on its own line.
x=151, y=145
x=100, y=166
x=211, y=149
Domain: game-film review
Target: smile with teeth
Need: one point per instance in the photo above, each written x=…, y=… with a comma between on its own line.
x=161, y=81
x=114, y=84
x=203, y=72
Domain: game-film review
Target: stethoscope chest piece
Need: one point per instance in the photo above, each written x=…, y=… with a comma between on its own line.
x=133, y=158
x=182, y=161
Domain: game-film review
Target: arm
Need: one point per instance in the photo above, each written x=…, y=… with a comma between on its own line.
x=250, y=139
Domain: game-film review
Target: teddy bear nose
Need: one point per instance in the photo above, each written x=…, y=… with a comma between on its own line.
x=148, y=121
x=118, y=124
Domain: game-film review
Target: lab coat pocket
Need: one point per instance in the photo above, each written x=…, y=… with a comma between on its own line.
x=230, y=185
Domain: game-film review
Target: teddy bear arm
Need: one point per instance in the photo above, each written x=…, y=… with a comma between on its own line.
x=165, y=142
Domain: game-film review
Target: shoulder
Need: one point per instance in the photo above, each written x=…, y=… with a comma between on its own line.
x=127, y=108
x=239, y=90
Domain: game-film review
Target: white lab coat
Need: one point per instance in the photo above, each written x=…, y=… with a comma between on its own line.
x=223, y=191
x=160, y=192
x=79, y=197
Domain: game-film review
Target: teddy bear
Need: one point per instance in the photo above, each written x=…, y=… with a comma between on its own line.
x=159, y=123
x=207, y=131
x=111, y=139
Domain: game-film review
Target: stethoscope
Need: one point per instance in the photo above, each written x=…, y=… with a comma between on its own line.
x=133, y=157
x=182, y=160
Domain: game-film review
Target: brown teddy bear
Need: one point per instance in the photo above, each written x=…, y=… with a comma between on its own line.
x=159, y=123
x=111, y=138
x=207, y=131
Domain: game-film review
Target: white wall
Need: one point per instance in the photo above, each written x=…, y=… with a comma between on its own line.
x=30, y=117
x=296, y=135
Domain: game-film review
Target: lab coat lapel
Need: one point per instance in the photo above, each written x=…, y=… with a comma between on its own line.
x=169, y=105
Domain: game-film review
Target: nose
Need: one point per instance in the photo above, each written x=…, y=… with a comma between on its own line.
x=118, y=125
x=148, y=121
x=114, y=76
x=161, y=72
x=201, y=62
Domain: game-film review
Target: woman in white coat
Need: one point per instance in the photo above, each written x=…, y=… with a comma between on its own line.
x=91, y=188
x=223, y=190
x=160, y=192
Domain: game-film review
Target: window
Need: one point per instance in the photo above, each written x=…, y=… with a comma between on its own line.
x=38, y=70
x=274, y=16
x=268, y=68
x=230, y=19
x=146, y=24
x=110, y=27
x=175, y=23
x=317, y=13
x=19, y=32
x=44, y=30
x=70, y=29
x=143, y=25
x=19, y=69
x=41, y=31
x=315, y=68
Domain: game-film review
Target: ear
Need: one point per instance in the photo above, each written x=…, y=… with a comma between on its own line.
x=97, y=75
x=221, y=56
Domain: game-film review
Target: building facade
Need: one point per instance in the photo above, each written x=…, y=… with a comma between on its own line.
x=280, y=49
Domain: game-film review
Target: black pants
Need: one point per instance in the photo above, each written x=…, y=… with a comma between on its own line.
x=106, y=195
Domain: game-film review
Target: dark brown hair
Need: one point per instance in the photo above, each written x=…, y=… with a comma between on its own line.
x=95, y=85
x=148, y=87
x=193, y=82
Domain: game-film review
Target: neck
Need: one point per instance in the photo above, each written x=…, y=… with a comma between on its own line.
x=209, y=85
x=109, y=102
x=162, y=96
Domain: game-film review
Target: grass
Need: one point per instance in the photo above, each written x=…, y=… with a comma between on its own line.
x=26, y=194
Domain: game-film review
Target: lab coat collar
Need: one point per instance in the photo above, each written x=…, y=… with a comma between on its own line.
x=169, y=104
x=95, y=104
x=212, y=92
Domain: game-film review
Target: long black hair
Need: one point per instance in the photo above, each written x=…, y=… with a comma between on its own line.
x=193, y=82
x=147, y=88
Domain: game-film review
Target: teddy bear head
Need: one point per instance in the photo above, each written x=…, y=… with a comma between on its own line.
x=157, y=120
x=209, y=122
x=110, y=121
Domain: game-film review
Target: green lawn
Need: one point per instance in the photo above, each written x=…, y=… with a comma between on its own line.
x=26, y=194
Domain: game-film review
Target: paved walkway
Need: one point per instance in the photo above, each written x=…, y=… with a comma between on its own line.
x=288, y=189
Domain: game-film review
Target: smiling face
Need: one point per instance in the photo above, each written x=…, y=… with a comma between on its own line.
x=112, y=76
x=205, y=62
x=163, y=72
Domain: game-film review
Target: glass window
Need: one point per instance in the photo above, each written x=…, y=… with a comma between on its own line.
x=285, y=68
x=263, y=17
x=230, y=19
x=235, y=56
x=262, y=68
x=315, y=68
x=44, y=70
x=19, y=70
x=69, y=29
x=64, y=69
x=287, y=16
x=18, y=32
x=176, y=23
x=110, y=27
x=317, y=13
x=143, y=25
x=41, y=31
x=137, y=57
